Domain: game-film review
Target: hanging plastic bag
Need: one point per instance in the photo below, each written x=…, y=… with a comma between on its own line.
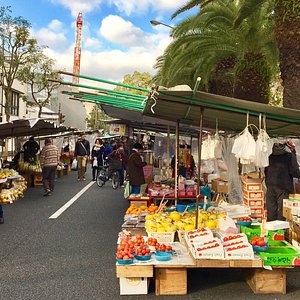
x=126, y=190
x=208, y=149
x=244, y=147
x=264, y=147
x=218, y=146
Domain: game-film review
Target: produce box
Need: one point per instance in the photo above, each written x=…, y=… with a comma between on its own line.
x=281, y=256
x=252, y=184
x=212, y=249
x=162, y=237
x=254, y=195
x=219, y=186
x=257, y=211
x=254, y=202
x=134, y=285
x=254, y=230
x=244, y=251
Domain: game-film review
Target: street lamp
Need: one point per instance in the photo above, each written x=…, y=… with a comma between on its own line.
x=155, y=23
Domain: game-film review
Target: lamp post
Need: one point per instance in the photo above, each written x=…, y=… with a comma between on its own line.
x=155, y=23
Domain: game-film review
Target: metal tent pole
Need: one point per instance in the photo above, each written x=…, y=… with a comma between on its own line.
x=176, y=160
x=199, y=163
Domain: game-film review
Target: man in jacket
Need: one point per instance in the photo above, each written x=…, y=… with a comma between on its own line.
x=283, y=167
x=135, y=169
x=49, y=158
x=82, y=152
x=31, y=148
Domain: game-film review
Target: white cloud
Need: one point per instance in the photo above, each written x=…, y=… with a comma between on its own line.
x=55, y=25
x=77, y=6
x=47, y=37
x=119, y=31
x=129, y=7
x=90, y=42
x=114, y=64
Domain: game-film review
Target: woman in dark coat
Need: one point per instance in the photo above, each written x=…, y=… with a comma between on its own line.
x=135, y=169
x=97, y=156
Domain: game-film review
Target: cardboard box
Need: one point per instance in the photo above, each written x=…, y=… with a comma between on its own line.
x=254, y=195
x=219, y=186
x=134, y=285
x=254, y=230
x=252, y=184
x=256, y=211
x=287, y=213
x=254, y=202
x=138, y=203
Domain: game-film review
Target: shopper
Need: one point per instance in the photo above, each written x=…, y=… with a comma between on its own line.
x=110, y=148
x=82, y=152
x=97, y=158
x=49, y=159
x=283, y=167
x=31, y=148
x=1, y=215
x=135, y=169
x=117, y=161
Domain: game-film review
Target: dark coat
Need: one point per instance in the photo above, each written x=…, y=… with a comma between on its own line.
x=82, y=148
x=283, y=167
x=135, y=169
x=98, y=152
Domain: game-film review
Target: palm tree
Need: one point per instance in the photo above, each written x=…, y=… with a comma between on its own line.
x=287, y=36
x=230, y=62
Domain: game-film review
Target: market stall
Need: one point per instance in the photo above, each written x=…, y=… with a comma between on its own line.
x=222, y=235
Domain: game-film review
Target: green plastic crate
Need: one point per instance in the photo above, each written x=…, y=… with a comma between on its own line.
x=254, y=230
x=280, y=256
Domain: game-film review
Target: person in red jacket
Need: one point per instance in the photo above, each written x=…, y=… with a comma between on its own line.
x=135, y=169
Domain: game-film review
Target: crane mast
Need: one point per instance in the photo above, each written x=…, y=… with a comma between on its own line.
x=77, y=49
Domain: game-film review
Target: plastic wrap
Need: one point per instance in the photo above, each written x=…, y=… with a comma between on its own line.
x=235, y=194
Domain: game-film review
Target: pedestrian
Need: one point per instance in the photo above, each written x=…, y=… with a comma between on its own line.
x=110, y=148
x=117, y=162
x=49, y=159
x=283, y=167
x=135, y=169
x=97, y=158
x=1, y=215
x=82, y=152
x=31, y=148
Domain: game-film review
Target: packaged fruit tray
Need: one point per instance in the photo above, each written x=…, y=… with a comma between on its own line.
x=280, y=256
x=162, y=237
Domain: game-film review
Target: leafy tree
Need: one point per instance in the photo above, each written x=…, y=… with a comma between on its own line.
x=36, y=74
x=143, y=80
x=94, y=121
x=231, y=62
x=287, y=36
x=17, y=49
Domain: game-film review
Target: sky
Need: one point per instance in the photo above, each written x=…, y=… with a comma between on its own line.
x=117, y=37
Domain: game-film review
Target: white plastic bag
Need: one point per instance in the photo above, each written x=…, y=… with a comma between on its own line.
x=208, y=149
x=264, y=147
x=95, y=162
x=244, y=147
x=218, y=146
x=227, y=226
x=74, y=164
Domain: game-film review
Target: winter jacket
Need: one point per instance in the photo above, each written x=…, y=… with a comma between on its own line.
x=98, y=152
x=82, y=148
x=49, y=156
x=117, y=159
x=135, y=169
x=283, y=167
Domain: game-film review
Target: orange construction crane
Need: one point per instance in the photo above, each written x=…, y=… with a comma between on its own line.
x=77, y=49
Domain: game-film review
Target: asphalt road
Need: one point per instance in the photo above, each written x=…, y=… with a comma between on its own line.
x=73, y=256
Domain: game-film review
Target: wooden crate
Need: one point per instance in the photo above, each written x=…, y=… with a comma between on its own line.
x=134, y=271
x=170, y=281
x=263, y=281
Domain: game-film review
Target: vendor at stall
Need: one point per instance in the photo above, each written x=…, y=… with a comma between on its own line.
x=31, y=148
x=135, y=169
x=186, y=163
x=283, y=167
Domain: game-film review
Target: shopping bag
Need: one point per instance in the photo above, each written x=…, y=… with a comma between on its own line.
x=74, y=164
x=95, y=163
x=126, y=189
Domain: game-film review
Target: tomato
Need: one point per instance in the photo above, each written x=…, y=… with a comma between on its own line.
x=168, y=248
x=148, y=251
x=119, y=256
x=261, y=243
x=125, y=257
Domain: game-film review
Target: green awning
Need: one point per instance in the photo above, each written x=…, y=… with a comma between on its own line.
x=231, y=113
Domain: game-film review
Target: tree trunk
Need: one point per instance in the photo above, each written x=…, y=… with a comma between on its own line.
x=253, y=78
x=40, y=111
x=8, y=103
x=221, y=82
x=287, y=35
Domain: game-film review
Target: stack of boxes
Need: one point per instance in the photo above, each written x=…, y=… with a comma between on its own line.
x=254, y=197
x=291, y=211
